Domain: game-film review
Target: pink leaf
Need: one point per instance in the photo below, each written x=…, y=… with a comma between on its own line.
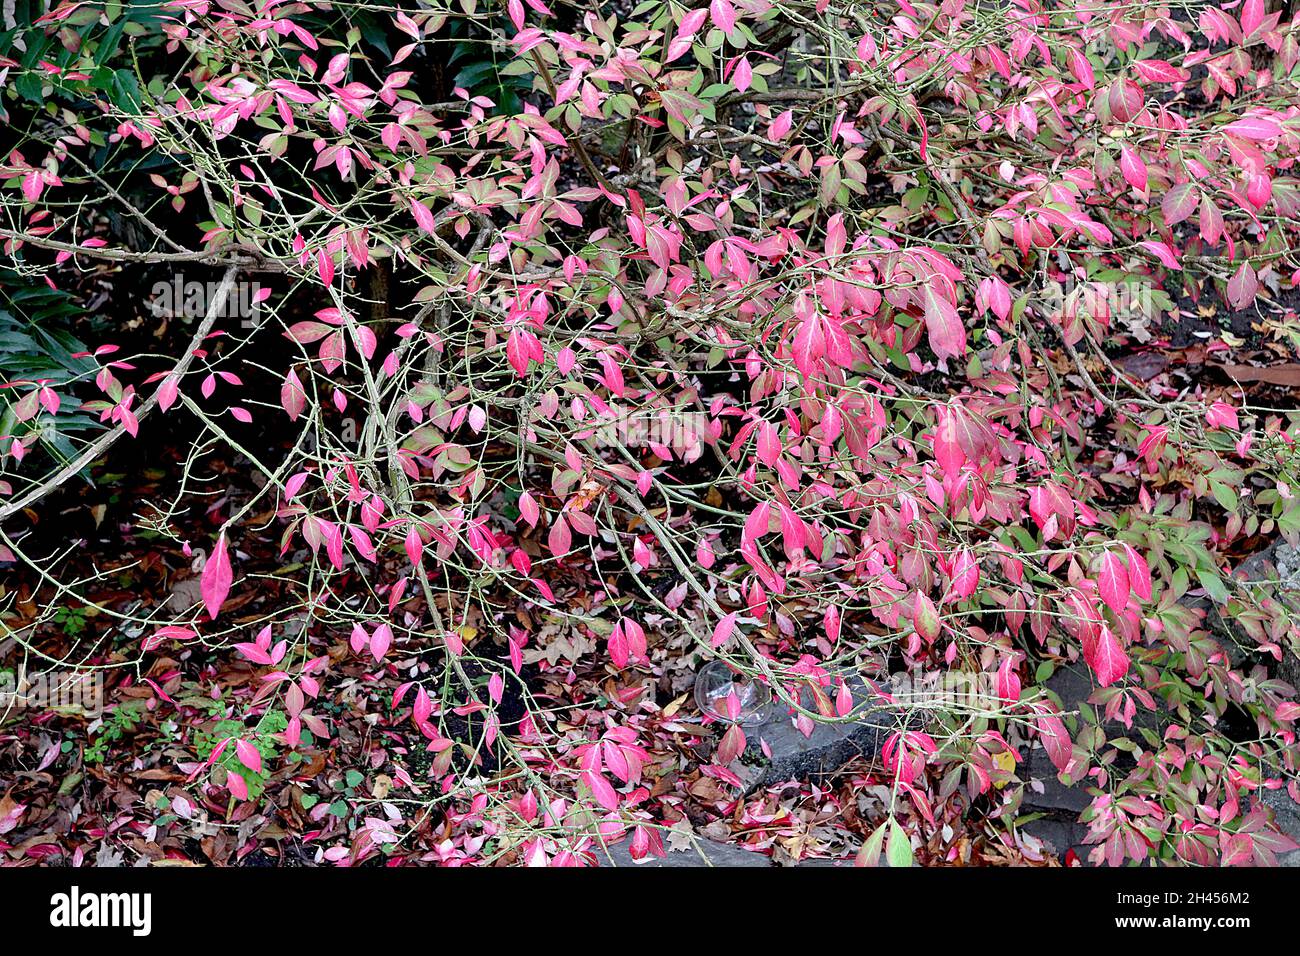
x=167, y=393
x=925, y=618
x=237, y=785
x=843, y=700
x=1179, y=203
x=1108, y=662
x=1242, y=287
x=1139, y=574
x=1008, y=681
x=1252, y=15
x=831, y=623
x=743, y=75
x=965, y=574
x=214, y=585
x=1255, y=128
x=359, y=640
x=1158, y=71
x=413, y=544
x=558, y=539
x=1238, y=850
x=1162, y=251
x=618, y=646
x=528, y=509
x=293, y=397
x=780, y=127
x=944, y=326
x=380, y=641
x=248, y=755
x=1134, y=170
x=723, y=16
x=732, y=746
x=724, y=629
x=769, y=444
x=517, y=351
x=254, y=653
x=600, y=789
x=423, y=216
x=1222, y=415
x=1055, y=739
x=1082, y=69
x=1112, y=581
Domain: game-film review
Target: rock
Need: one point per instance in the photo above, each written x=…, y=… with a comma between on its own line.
x=1059, y=835
x=1259, y=567
x=1236, y=644
x=1287, y=561
x=706, y=853
x=1073, y=685
x=1286, y=813
x=1279, y=565
x=824, y=861
x=826, y=750
x=1054, y=795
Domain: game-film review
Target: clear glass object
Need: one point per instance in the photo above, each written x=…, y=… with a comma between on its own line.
x=716, y=681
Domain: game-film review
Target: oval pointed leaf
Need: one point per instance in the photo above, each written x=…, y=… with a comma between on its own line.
x=214, y=585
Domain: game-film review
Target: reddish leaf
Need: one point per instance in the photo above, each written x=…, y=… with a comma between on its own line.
x=1139, y=574
x=528, y=509
x=248, y=755
x=925, y=618
x=214, y=585
x=168, y=392
x=1134, y=170
x=943, y=325
x=724, y=629
x=380, y=641
x=1179, y=203
x=601, y=789
x=1254, y=128
x=1112, y=581
x=1242, y=287
x=732, y=745
x=237, y=785
x=293, y=397
x=558, y=539
x=1109, y=662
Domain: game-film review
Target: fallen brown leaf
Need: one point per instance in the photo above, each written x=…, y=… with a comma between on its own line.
x=1286, y=375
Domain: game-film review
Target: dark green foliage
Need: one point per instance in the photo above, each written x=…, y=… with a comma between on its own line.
x=35, y=346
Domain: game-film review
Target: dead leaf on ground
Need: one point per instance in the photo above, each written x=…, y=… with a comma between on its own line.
x=1285, y=375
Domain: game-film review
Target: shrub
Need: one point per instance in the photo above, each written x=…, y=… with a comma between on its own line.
x=784, y=333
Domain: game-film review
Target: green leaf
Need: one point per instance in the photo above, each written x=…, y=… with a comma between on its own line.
x=899, y=850
x=1224, y=495
x=1213, y=585
x=869, y=855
